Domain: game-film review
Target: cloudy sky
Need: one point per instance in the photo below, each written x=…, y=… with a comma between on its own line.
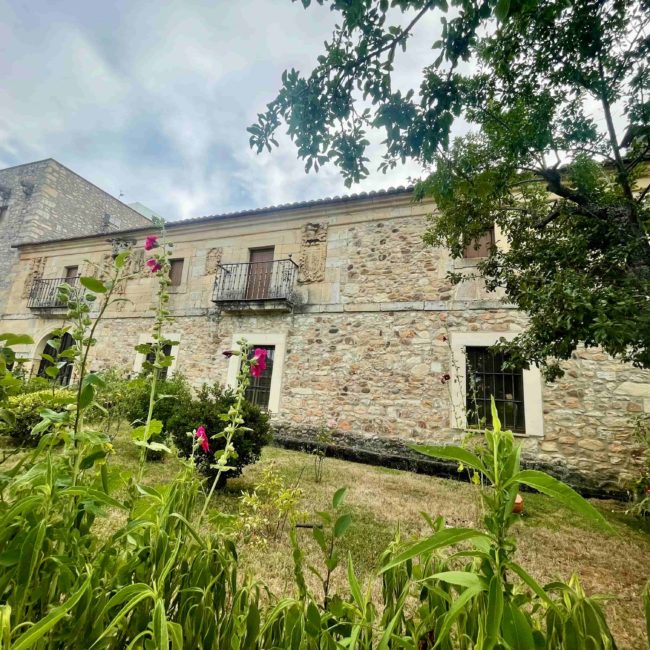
x=152, y=99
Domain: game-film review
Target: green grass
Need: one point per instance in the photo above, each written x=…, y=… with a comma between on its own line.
x=552, y=541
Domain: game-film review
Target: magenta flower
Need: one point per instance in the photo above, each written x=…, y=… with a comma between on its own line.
x=150, y=242
x=154, y=265
x=203, y=437
x=258, y=362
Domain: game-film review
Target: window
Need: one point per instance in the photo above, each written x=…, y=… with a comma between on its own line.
x=259, y=388
x=486, y=378
x=176, y=272
x=71, y=273
x=481, y=246
x=65, y=373
x=151, y=358
x=3, y=212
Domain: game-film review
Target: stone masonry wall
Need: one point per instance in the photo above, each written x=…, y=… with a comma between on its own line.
x=366, y=348
x=45, y=200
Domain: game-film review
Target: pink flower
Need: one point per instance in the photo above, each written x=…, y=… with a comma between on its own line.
x=150, y=242
x=154, y=265
x=203, y=437
x=258, y=362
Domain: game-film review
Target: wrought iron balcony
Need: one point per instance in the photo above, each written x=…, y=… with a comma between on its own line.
x=45, y=292
x=256, y=285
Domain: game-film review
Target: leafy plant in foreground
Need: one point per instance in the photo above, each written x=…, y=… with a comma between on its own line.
x=504, y=604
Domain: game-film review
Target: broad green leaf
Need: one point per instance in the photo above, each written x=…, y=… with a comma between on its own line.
x=121, y=259
x=342, y=524
x=446, y=537
x=16, y=339
x=86, y=396
x=516, y=629
x=550, y=486
x=452, y=452
x=339, y=495
x=93, y=284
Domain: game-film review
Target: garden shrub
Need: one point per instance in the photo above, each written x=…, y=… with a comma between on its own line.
x=211, y=403
x=176, y=390
x=26, y=409
x=35, y=384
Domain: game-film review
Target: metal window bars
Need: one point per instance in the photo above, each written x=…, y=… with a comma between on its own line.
x=255, y=281
x=44, y=293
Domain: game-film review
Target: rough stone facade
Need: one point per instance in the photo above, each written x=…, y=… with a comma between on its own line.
x=364, y=349
x=45, y=200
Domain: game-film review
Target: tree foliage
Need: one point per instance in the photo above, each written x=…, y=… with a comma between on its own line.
x=556, y=96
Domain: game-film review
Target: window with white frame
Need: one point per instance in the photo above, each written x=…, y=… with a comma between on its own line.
x=265, y=390
x=479, y=373
x=487, y=376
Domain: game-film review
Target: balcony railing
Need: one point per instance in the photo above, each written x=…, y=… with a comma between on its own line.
x=45, y=292
x=256, y=282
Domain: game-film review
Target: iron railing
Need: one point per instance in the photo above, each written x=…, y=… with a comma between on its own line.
x=45, y=292
x=255, y=281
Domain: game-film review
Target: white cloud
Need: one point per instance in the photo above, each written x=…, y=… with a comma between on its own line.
x=153, y=99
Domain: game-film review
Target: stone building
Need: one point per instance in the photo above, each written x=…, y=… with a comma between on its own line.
x=362, y=326
x=45, y=200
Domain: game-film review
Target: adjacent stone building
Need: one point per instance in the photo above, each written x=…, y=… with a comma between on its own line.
x=45, y=200
x=366, y=335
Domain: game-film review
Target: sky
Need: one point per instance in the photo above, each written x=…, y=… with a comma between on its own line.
x=150, y=100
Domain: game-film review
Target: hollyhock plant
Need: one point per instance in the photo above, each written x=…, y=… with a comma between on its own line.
x=258, y=365
x=151, y=242
x=154, y=265
x=203, y=439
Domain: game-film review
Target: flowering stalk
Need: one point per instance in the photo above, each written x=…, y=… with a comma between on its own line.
x=254, y=366
x=159, y=265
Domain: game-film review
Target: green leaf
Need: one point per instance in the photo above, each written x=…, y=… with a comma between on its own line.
x=93, y=284
x=121, y=258
x=355, y=588
x=94, y=495
x=516, y=629
x=494, y=608
x=160, y=634
x=342, y=524
x=86, y=396
x=40, y=629
x=339, y=495
x=550, y=486
x=16, y=339
x=452, y=452
x=446, y=537
x=459, y=578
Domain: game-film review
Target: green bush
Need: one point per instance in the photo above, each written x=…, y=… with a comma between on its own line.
x=211, y=403
x=26, y=411
x=172, y=394
x=35, y=385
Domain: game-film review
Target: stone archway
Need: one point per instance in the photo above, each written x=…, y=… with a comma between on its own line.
x=40, y=364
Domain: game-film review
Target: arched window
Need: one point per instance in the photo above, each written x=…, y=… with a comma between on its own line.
x=65, y=373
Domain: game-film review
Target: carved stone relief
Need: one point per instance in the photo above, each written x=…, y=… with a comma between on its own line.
x=313, y=251
x=36, y=269
x=120, y=245
x=212, y=260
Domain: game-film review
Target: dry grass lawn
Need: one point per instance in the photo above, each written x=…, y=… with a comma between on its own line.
x=553, y=543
